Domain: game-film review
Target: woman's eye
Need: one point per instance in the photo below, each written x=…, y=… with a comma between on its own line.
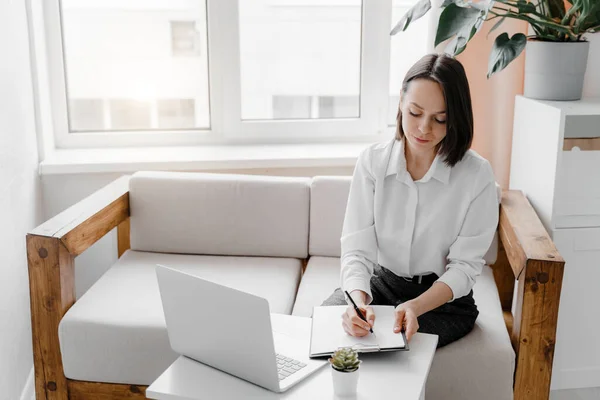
x=413, y=114
x=440, y=121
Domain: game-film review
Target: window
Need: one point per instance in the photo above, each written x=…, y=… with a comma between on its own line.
x=86, y=115
x=292, y=49
x=292, y=107
x=131, y=53
x=302, y=107
x=176, y=113
x=130, y=114
x=185, y=39
x=338, y=106
x=262, y=71
x=393, y=108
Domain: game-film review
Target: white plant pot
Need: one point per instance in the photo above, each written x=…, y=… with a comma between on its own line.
x=344, y=383
x=555, y=71
x=591, y=83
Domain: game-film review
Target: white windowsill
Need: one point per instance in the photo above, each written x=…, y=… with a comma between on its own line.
x=190, y=158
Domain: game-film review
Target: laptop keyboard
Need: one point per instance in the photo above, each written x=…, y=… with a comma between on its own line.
x=287, y=366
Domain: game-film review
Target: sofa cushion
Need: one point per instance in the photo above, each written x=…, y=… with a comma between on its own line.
x=328, y=200
x=320, y=279
x=220, y=214
x=485, y=355
x=116, y=331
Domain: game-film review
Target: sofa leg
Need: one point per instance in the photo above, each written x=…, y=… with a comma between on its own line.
x=52, y=292
x=535, y=328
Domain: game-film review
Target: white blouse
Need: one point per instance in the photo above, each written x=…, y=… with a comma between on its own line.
x=443, y=223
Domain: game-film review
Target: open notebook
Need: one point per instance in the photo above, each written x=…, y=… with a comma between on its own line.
x=327, y=333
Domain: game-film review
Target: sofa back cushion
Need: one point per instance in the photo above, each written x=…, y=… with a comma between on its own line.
x=219, y=214
x=328, y=200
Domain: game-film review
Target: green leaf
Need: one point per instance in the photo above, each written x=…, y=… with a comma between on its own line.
x=456, y=20
x=460, y=3
x=461, y=22
x=459, y=43
x=592, y=20
x=415, y=12
x=504, y=51
x=557, y=8
x=526, y=7
x=539, y=24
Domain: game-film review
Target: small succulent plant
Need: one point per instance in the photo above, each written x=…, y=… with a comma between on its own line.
x=345, y=360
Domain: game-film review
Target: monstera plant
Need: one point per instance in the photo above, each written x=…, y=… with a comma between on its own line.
x=550, y=20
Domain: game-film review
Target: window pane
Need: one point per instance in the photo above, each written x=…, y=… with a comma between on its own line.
x=130, y=114
x=291, y=107
x=299, y=49
x=134, y=54
x=406, y=48
x=185, y=38
x=87, y=114
x=176, y=113
x=337, y=106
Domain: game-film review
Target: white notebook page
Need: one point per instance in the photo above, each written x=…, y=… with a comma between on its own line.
x=327, y=333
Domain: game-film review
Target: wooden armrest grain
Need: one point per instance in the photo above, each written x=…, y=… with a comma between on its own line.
x=82, y=224
x=522, y=233
x=538, y=268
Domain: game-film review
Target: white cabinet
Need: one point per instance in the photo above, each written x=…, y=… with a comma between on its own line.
x=556, y=162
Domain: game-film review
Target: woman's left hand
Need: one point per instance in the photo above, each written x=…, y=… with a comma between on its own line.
x=406, y=317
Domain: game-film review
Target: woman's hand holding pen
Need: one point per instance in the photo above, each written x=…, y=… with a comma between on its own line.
x=352, y=323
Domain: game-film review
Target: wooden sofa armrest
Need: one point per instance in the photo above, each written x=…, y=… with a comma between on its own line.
x=51, y=251
x=528, y=255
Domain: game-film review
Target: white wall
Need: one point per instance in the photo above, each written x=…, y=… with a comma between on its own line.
x=591, y=83
x=20, y=199
x=62, y=191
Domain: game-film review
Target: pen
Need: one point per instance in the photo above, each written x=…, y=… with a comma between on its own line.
x=360, y=314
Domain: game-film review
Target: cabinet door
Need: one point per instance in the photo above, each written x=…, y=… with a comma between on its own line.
x=577, y=351
x=577, y=197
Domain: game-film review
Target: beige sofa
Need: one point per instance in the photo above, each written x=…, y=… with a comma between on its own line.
x=271, y=236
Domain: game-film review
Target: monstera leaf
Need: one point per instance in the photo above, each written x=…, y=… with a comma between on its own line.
x=461, y=23
x=504, y=51
x=415, y=12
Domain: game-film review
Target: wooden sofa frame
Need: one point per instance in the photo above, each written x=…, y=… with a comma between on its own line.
x=526, y=255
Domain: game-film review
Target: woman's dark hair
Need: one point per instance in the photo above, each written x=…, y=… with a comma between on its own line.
x=450, y=74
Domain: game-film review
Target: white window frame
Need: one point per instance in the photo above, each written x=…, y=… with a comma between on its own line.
x=227, y=127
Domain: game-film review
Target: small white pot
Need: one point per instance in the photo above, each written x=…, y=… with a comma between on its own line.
x=344, y=383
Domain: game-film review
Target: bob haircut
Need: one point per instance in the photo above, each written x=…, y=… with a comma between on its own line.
x=450, y=75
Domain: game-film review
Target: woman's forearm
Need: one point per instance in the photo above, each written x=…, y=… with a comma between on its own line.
x=359, y=297
x=439, y=293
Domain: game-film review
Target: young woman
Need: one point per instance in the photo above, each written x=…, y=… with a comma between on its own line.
x=421, y=213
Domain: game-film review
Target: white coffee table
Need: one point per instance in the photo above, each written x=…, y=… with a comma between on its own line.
x=382, y=375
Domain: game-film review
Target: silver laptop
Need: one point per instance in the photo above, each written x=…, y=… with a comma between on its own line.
x=230, y=330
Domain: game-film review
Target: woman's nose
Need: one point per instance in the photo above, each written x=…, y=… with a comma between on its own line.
x=424, y=127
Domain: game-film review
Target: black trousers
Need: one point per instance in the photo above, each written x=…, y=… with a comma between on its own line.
x=450, y=321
